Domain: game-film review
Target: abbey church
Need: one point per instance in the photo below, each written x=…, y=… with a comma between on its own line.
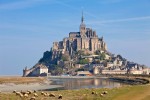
x=85, y=39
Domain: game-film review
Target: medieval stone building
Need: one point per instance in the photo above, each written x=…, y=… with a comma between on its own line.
x=85, y=39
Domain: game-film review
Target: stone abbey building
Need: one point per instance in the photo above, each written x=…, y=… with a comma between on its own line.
x=86, y=39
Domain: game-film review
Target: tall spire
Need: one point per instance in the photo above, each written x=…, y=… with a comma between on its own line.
x=82, y=19
x=82, y=27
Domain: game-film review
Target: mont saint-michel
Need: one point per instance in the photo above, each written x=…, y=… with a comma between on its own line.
x=83, y=53
x=74, y=50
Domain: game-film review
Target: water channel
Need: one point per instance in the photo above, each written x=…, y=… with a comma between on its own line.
x=80, y=83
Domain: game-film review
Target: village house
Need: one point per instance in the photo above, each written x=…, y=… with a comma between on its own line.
x=41, y=70
x=109, y=64
x=113, y=71
x=84, y=73
x=143, y=71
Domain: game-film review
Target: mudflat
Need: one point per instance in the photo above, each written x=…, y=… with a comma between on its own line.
x=21, y=80
x=10, y=83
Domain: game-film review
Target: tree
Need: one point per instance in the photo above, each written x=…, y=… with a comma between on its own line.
x=46, y=57
x=83, y=61
x=58, y=70
x=55, y=69
x=65, y=57
x=101, y=56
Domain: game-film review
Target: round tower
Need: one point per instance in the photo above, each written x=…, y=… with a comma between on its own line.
x=25, y=72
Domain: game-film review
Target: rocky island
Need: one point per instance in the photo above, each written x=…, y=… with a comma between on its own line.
x=83, y=53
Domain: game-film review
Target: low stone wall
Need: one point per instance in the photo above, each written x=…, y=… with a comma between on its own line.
x=128, y=75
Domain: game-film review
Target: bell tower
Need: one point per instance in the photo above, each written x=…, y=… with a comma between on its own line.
x=82, y=27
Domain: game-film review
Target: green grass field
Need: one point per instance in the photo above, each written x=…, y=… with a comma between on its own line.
x=137, y=92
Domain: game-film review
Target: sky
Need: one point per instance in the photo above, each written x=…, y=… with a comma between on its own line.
x=29, y=27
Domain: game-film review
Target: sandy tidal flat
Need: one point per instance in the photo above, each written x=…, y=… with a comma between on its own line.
x=8, y=84
x=9, y=87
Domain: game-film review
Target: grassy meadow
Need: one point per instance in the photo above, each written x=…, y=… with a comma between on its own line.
x=127, y=92
x=136, y=92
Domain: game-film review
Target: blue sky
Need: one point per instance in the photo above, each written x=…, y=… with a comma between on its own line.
x=28, y=28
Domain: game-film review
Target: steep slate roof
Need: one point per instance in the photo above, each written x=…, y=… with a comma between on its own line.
x=42, y=67
x=74, y=33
